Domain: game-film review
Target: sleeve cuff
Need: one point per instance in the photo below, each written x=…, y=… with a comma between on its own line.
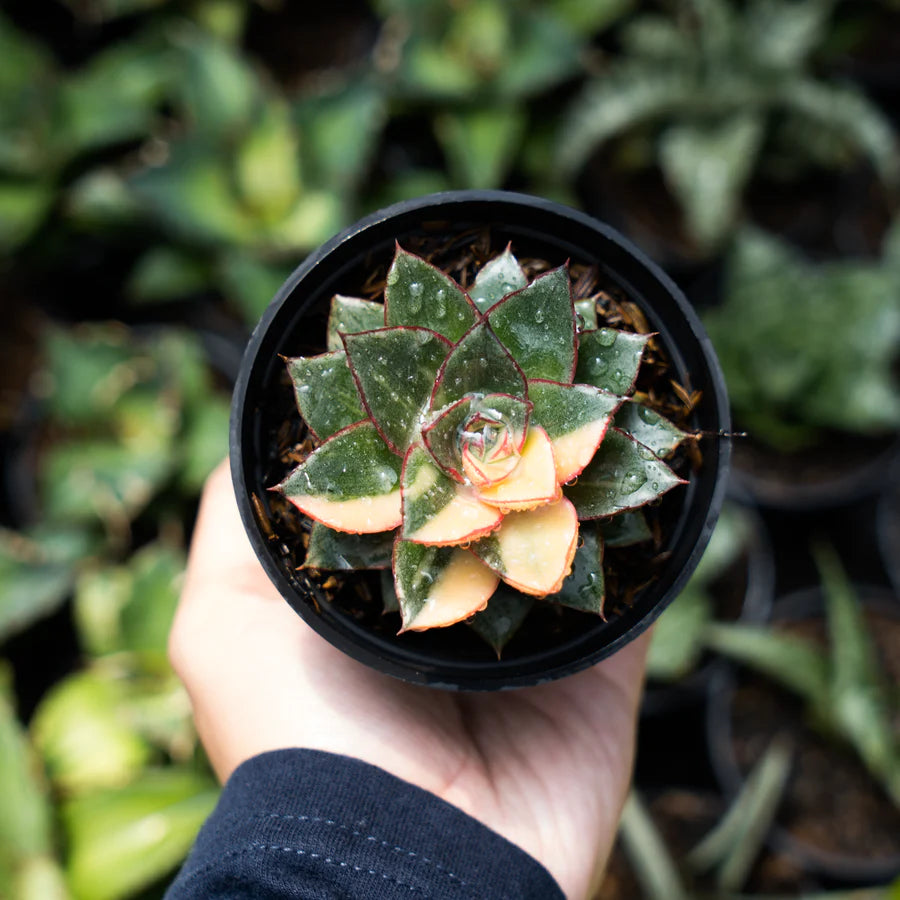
x=293, y=818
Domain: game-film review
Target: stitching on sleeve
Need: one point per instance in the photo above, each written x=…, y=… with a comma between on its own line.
x=317, y=820
x=335, y=862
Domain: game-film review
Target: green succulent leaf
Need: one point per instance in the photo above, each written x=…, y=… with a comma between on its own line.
x=220, y=90
x=732, y=535
x=537, y=326
x=622, y=475
x=786, y=342
x=419, y=295
x=505, y=613
x=624, y=98
x=326, y=392
x=23, y=206
x=340, y=125
x=496, y=279
x=352, y=482
x=123, y=840
x=101, y=479
x=564, y=409
x=439, y=586
x=585, y=587
x=610, y=359
x=437, y=509
x=478, y=364
x=83, y=735
x=395, y=369
x=26, y=828
x=37, y=572
x=131, y=607
x=335, y=550
x=649, y=428
x=626, y=529
x=164, y=274
x=846, y=111
x=267, y=173
x=350, y=315
x=250, y=283
x=586, y=315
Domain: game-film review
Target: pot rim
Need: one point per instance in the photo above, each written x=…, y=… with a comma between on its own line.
x=506, y=209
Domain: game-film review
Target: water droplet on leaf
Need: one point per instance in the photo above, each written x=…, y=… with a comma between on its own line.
x=606, y=337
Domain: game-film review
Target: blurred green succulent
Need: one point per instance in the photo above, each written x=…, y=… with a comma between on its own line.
x=807, y=347
x=714, y=90
x=51, y=118
x=476, y=67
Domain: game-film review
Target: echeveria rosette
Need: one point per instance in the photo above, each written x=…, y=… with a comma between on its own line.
x=470, y=439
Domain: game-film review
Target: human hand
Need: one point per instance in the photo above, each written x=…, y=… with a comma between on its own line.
x=546, y=767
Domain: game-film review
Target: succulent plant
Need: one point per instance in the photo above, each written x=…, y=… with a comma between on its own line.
x=473, y=438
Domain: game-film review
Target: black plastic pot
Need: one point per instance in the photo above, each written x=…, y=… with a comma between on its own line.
x=806, y=482
x=838, y=868
x=295, y=324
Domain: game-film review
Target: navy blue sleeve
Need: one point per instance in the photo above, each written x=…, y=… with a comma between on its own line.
x=313, y=825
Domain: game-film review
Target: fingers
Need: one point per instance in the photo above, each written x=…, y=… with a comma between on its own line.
x=223, y=576
x=219, y=537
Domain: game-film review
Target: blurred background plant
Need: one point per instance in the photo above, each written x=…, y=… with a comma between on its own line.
x=163, y=167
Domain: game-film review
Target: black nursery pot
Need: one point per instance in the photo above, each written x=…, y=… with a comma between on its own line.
x=294, y=324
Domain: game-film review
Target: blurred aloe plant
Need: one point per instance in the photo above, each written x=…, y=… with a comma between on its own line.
x=711, y=91
x=844, y=686
x=725, y=855
x=789, y=331
x=677, y=644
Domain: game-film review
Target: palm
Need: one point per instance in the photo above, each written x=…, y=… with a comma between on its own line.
x=547, y=767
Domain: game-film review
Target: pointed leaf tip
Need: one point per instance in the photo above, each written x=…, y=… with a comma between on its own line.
x=497, y=278
x=622, y=475
x=610, y=359
x=537, y=326
x=351, y=483
x=418, y=294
